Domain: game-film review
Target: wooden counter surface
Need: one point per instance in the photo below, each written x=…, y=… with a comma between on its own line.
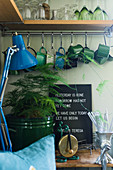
x=85, y=160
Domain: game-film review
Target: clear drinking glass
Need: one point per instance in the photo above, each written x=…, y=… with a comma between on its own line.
x=98, y=14
x=84, y=14
x=27, y=11
x=34, y=13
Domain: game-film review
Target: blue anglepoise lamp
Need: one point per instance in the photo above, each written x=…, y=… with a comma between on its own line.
x=17, y=58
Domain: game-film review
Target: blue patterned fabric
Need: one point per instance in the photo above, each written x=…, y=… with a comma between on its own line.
x=40, y=155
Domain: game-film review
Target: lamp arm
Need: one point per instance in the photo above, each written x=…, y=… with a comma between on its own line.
x=10, y=52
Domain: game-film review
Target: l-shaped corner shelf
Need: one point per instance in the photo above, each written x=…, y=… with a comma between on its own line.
x=11, y=18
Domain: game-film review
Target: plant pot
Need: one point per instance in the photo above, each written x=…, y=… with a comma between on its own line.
x=24, y=132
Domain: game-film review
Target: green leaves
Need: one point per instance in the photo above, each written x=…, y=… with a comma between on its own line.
x=30, y=97
x=101, y=86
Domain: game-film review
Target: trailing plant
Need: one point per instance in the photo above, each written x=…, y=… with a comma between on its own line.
x=30, y=97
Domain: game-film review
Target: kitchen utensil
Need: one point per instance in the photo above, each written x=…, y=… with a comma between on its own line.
x=51, y=53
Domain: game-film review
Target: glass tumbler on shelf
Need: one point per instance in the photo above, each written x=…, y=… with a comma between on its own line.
x=76, y=15
x=84, y=14
x=20, y=5
x=41, y=12
x=98, y=14
x=34, y=13
x=71, y=11
x=27, y=11
x=22, y=12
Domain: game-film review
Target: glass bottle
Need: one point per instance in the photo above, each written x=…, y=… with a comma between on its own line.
x=54, y=15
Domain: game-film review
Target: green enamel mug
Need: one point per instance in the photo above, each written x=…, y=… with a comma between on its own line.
x=102, y=54
x=41, y=57
x=87, y=55
x=74, y=51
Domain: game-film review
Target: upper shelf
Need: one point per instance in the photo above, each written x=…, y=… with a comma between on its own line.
x=61, y=25
x=11, y=18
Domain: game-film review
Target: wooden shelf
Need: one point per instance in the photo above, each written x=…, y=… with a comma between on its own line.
x=85, y=160
x=9, y=12
x=61, y=25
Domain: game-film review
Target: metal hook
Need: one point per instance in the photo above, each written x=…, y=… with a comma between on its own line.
x=42, y=39
x=105, y=39
x=61, y=39
x=52, y=40
x=72, y=39
x=85, y=39
x=28, y=37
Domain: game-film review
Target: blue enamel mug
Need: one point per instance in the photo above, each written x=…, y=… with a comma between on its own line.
x=59, y=62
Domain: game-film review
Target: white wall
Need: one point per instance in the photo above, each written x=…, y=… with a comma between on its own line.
x=93, y=74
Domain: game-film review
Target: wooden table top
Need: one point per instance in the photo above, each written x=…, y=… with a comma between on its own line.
x=85, y=160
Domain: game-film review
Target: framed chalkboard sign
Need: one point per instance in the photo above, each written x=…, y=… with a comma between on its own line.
x=78, y=101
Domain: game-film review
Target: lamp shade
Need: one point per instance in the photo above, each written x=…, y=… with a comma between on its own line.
x=22, y=59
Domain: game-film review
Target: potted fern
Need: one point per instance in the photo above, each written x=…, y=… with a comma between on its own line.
x=32, y=109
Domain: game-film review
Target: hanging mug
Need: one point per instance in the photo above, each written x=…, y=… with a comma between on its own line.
x=74, y=51
x=59, y=61
x=102, y=54
x=87, y=53
x=41, y=57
